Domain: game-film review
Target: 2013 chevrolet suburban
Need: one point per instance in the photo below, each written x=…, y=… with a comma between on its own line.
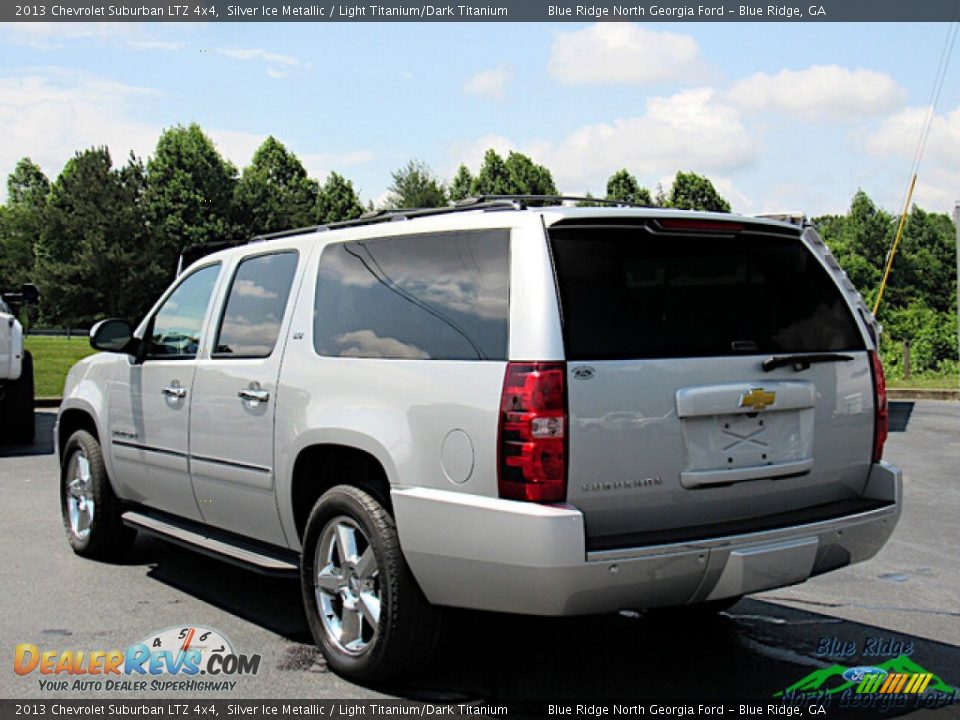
x=503, y=406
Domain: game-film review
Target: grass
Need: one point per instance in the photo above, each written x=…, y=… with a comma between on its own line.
x=935, y=382
x=52, y=358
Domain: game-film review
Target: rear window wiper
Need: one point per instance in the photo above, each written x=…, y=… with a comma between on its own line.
x=802, y=362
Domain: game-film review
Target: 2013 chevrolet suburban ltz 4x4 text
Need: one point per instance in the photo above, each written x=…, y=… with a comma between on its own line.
x=540, y=410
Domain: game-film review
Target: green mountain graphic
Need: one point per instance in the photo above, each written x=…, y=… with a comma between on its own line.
x=830, y=681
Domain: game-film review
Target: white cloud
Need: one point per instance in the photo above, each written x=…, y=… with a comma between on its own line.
x=279, y=66
x=52, y=35
x=471, y=152
x=938, y=184
x=48, y=114
x=490, y=84
x=692, y=130
x=168, y=45
x=819, y=93
x=608, y=53
x=47, y=35
x=235, y=53
x=366, y=343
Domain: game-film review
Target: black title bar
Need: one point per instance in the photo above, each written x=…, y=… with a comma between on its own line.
x=482, y=11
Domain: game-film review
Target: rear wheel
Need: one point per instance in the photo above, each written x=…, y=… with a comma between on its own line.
x=364, y=608
x=91, y=510
x=17, y=424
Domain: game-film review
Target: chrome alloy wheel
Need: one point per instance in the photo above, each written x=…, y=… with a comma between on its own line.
x=81, y=506
x=347, y=586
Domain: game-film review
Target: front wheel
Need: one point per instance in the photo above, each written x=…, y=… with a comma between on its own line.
x=91, y=510
x=364, y=608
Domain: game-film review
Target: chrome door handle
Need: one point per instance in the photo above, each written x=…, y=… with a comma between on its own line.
x=175, y=391
x=254, y=395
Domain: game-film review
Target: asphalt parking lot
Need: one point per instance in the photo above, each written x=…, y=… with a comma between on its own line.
x=908, y=594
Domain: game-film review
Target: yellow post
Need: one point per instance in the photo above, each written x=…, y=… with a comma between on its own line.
x=896, y=244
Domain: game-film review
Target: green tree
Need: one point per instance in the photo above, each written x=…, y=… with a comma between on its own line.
x=21, y=220
x=918, y=304
x=859, y=240
x=415, y=186
x=337, y=201
x=189, y=199
x=274, y=192
x=517, y=175
x=493, y=178
x=90, y=248
x=527, y=177
x=624, y=186
x=461, y=184
x=695, y=192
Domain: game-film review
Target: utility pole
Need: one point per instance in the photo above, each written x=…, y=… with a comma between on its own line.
x=956, y=222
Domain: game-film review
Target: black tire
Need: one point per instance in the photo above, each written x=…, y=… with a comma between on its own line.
x=104, y=537
x=17, y=420
x=404, y=638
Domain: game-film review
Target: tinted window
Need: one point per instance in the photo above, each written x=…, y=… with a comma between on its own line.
x=255, y=306
x=441, y=296
x=628, y=294
x=175, y=330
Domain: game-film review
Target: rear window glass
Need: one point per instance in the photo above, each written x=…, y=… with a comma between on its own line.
x=626, y=294
x=441, y=296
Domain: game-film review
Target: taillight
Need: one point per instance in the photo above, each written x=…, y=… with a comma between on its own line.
x=881, y=411
x=533, y=432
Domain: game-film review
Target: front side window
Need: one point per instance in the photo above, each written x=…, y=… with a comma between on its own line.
x=175, y=330
x=255, y=306
x=442, y=296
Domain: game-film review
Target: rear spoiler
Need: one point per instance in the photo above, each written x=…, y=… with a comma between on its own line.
x=793, y=217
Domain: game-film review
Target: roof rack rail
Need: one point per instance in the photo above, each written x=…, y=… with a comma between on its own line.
x=525, y=201
x=381, y=216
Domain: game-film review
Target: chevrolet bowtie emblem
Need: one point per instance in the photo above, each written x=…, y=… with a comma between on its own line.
x=757, y=399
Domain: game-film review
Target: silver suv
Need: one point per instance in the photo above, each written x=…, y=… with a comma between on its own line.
x=540, y=410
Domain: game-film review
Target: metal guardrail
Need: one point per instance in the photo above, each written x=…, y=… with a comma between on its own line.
x=60, y=332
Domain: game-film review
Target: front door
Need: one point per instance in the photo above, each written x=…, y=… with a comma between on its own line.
x=234, y=400
x=149, y=406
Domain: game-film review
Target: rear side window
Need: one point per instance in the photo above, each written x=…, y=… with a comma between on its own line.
x=255, y=306
x=627, y=294
x=442, y=296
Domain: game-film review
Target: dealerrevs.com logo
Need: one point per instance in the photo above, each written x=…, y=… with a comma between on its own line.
x=185, y=658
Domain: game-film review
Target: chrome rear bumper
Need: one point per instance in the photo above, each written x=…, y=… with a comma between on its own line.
x=502, y=555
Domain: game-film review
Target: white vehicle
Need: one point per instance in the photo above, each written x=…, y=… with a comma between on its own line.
x=16, y=371
x=539, y=410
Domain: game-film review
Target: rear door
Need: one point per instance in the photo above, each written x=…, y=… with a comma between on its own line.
x=234, y=400
x=677, y=431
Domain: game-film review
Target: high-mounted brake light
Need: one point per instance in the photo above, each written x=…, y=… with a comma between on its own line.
x=717, y=226
x=533, y=432
x=881, y=410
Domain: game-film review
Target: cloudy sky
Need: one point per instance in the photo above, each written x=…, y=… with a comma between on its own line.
x=780, y=116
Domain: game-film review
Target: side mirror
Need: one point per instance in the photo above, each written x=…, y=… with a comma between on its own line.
x=113, y=335
x=29, y=294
